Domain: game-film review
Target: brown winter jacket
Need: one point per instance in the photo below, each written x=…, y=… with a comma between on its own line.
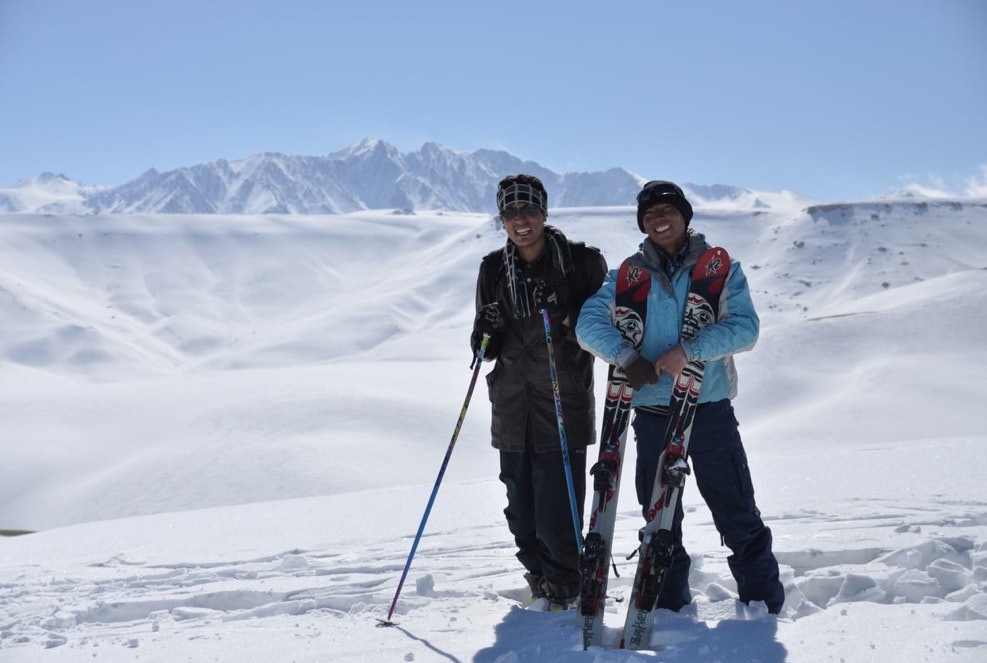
x=520, y=384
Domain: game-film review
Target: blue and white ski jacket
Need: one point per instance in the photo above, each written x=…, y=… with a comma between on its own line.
x=735, y=330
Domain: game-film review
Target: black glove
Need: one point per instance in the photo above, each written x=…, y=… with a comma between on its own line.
x=551, y=297
x=489, y=319
x=640, y=372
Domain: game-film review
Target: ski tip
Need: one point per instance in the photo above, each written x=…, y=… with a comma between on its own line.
x=712, y=270
x=384, y=623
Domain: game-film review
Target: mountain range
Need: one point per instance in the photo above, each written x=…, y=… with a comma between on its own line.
x=370, y=175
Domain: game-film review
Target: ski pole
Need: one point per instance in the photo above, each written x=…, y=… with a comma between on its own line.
x=562, y=441
x=438, y=479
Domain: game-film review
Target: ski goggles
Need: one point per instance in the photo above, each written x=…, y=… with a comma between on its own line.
x=512, y=213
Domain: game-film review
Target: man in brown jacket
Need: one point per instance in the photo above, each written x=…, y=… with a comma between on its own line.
x=537, y=269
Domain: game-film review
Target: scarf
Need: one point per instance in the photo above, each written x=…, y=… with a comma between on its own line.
x=522, y=300
x=660, y=262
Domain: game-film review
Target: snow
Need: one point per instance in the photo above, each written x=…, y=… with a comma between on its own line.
x=226, y=430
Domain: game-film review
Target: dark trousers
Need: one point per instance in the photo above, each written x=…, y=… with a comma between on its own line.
x=720, y=472
x=539, y=515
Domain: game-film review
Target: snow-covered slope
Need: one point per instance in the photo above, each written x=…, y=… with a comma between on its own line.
x=228, y=427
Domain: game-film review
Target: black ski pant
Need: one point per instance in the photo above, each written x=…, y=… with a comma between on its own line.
x=720, y=472
x=539, y=515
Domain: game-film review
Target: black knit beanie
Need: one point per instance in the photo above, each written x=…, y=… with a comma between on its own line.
x=660, y=192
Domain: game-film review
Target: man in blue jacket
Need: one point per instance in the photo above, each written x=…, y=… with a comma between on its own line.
x=668, y=253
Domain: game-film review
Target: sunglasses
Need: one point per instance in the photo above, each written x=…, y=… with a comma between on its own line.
x=511, y=213
x=661, y=213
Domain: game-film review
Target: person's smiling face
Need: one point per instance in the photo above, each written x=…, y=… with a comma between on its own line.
x=665, y=227
x=525, y=226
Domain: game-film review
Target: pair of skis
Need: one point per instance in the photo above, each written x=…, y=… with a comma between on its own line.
x=656, y=545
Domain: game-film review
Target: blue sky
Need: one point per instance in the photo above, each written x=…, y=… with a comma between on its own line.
x=834, y=99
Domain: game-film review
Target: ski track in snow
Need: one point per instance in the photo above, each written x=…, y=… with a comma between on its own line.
x=110, y=605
